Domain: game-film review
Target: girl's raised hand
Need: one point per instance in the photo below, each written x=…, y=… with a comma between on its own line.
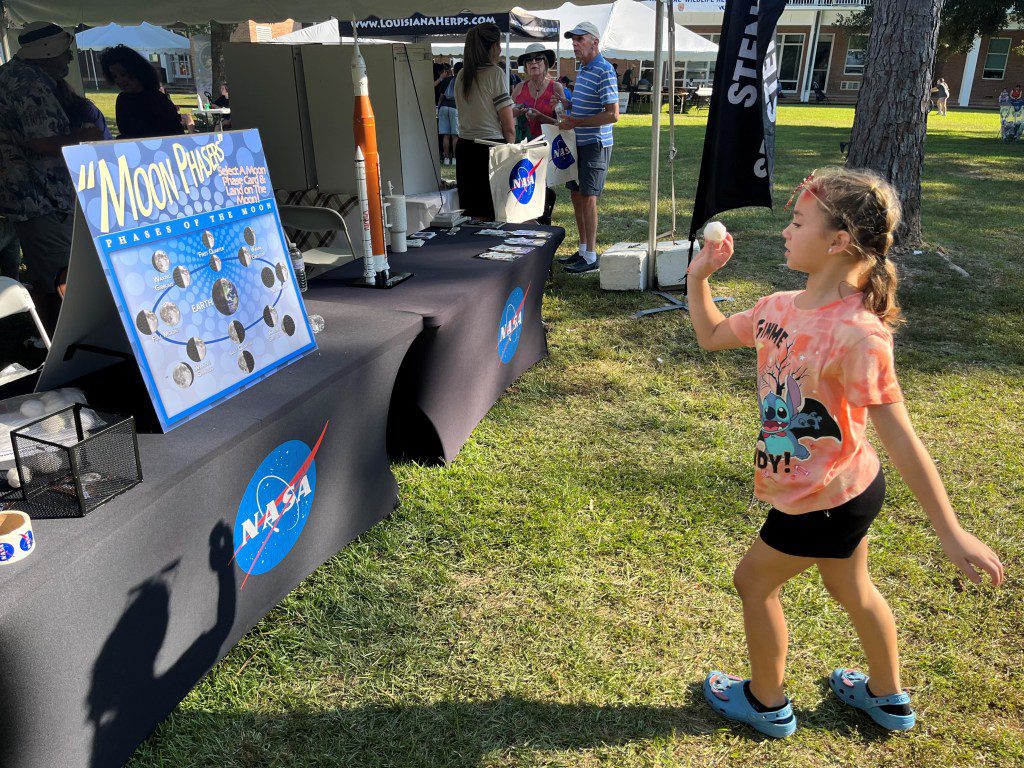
x=973, y=557
x=711, y=258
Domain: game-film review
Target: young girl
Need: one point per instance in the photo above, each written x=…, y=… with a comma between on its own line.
x=825, y=363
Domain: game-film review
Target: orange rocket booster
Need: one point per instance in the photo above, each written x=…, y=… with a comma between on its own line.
x=365, y=129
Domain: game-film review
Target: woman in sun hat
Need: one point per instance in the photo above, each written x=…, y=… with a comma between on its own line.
x=535, y=100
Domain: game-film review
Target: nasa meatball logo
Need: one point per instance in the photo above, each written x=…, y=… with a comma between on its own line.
x=511, y=324
x=6, y=552
x=561, y=155
x=275, y=507
x=523, y=180
x=27, y=541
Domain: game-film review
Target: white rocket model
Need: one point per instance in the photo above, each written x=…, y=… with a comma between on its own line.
x=371, y=200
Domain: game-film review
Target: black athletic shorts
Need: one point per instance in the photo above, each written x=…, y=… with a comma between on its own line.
x=832, y=532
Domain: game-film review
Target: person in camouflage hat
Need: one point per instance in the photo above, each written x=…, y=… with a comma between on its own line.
x=36, y=194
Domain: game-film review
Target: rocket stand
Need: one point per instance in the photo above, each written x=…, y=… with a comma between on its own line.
x=385, y=279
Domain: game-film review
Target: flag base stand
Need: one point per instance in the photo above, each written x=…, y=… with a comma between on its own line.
x=673, y=304
x=382, y=282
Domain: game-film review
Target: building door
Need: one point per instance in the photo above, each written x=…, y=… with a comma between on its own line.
x=822, y=61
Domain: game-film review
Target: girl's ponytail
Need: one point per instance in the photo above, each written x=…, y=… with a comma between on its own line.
x=862, y=203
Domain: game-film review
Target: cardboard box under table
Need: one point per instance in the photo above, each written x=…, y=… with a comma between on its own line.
x=117, y=615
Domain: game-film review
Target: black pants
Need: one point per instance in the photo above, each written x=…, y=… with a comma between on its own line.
x=471, y=163
x=549, y=207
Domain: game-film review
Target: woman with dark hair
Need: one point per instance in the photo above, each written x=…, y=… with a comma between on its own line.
x=143, y=110
x=80, y=111
x=485, y=114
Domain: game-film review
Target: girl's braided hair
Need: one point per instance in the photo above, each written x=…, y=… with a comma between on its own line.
x=866, y=206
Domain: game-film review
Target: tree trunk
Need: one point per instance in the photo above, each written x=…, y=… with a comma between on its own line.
x=892, y=108
x=219, y=35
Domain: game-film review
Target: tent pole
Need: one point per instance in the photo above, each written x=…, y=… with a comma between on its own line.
x=659, y=62
x=5, y=43
x=508, y=60
x=672, y=112
x=92, y=68
x=558, y=53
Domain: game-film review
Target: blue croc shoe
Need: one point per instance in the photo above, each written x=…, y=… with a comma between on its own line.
x=851, y=687
x=726, y=696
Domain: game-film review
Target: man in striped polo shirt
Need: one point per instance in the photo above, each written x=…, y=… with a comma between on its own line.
x=593, y=109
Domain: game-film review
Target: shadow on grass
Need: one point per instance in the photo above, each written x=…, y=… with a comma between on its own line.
x=468, y=733
x=445, y=733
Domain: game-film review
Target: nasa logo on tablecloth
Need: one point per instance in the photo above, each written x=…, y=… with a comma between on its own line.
x=6, y=552
x=511, y=325
x=522, y=181
x=561, y=155
x=27, y=541
x=276, y=504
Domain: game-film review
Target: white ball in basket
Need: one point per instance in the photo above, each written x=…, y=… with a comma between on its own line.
x=12, y=477
x=48, y=462
x=715, y=232
x=32, y=409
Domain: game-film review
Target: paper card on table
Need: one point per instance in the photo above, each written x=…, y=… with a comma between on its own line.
x=199, y=291
x=530, y=233
x=424, y=235
x=415, y=243
x=532, y=241
x=492, y=233
x=511, y=249
x=498, y=256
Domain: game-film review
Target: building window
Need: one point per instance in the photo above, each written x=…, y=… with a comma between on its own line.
x=263, y=33
x=849, y=85
x=790, y=52
x=995, y=60
x=856, y=55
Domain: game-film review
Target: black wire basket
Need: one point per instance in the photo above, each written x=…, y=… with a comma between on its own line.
x=73, y=460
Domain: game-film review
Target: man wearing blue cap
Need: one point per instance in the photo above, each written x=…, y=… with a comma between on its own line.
x=35, y=187
x=593, y=109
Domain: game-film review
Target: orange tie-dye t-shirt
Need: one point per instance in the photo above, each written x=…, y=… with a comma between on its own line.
x=817, y=370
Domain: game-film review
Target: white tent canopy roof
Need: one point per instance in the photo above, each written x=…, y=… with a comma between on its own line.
x=98, y=12
x=626, y=31
x=145, y=38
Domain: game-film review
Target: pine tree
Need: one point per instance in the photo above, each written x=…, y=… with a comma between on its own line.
x=892, y=107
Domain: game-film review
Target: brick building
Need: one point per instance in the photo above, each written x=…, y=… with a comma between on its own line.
x=995, y=62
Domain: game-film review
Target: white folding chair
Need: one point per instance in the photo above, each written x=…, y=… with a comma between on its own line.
x=14, y=298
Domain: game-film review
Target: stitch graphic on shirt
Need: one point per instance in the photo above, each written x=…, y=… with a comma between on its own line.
x=787, y=417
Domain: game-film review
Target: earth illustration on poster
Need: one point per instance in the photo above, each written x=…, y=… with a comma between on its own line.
x=189, y=237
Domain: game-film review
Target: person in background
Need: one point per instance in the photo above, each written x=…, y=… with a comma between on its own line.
x=627, y=79
x=594, y=109
x=142, y=110
x=448, y=116
x=80, y=110
x=535, y=100
x=36, y=193
x=223, y=101
x=485, y=113
x=1004, y=97
x=513, y=79
x=1017, y=93
x=566, y=86
x=941, y=95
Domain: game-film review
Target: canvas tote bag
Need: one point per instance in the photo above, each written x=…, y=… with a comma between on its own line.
x=563, y=166
x=518, y=176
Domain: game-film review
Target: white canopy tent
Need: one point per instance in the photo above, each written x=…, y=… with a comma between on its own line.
x=70, y=13
x=144, y=38
x=626, y=29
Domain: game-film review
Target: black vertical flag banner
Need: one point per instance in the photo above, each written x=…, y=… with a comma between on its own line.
x=739, y=146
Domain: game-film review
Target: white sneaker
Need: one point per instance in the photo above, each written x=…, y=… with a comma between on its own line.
x=451, y=160
x=447, y=161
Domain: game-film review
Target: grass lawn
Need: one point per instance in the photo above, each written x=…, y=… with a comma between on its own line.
x=556, y=596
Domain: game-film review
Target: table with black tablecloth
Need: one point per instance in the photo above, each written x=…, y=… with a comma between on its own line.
x=113, y=618
x=459, y=365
